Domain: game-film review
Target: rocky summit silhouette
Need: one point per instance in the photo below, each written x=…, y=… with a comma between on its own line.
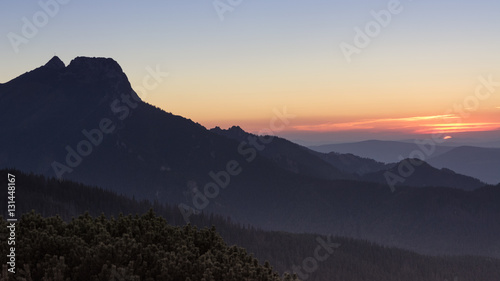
x=84, y=122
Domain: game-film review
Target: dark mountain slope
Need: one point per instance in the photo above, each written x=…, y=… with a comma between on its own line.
x=351, y=163
x=350, y=259
x=383, y=151
x=426, y=220
x=149, y=153
x=59, y=117
x=302, y=160
x=414, y=172
x=156, y=155
x=288, y=155
x=482, y=163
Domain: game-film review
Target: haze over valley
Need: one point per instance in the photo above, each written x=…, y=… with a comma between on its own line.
x=235, y=140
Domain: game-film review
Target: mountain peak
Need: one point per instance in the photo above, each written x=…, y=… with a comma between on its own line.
x=84, y=77
x=236, y=129
x=55, y=63
x=97, y=66
x=232, y=130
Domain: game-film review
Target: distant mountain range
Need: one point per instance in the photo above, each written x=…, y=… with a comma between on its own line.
x=301, y=160
x=422, y=174
x=479, y=162
x=83, y=122
x=383, y=151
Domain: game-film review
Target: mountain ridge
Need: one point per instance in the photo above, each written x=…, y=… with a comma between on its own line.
x=157, y=155
x=383, y=151
x=288, y=155
x=302, y=160
x=51, y=197
x=480, y=162
x=415, y=172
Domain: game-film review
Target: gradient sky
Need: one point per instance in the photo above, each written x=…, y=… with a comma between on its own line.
x=410, y=80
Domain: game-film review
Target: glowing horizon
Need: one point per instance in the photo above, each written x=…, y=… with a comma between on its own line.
x=411, y=77
x=414, y=124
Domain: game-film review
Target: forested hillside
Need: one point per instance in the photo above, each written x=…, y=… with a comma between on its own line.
x=345, y=259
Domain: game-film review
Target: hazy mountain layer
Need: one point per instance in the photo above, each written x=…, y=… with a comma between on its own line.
x=83, y=122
